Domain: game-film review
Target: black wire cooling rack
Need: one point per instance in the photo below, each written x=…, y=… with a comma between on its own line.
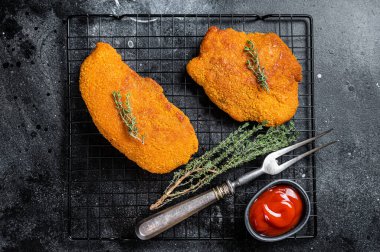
x=107, y=193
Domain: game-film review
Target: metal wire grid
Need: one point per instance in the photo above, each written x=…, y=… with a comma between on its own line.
x=107, y=193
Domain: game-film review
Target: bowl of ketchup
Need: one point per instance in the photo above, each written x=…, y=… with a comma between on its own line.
x=277, y=211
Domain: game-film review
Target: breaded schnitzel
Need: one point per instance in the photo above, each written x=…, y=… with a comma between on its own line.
x=222, y=71
x=170, y=139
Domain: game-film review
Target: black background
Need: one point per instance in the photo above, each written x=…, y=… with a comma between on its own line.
x=32, y=77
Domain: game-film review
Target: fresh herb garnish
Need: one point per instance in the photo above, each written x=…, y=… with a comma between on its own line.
x=127, y=116
x=253, y=64
x=237, y=149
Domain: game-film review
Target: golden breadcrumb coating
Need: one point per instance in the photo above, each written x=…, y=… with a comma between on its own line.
x=222, y=71
x=170, y=139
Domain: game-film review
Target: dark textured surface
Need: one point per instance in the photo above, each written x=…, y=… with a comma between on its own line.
x=32, y=74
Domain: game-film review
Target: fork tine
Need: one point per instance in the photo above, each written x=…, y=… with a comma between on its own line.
x=285, y=150
x=298, y=158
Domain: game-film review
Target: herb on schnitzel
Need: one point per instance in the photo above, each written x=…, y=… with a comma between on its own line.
x=127, y=116
x=253, y=64
x=237, y=149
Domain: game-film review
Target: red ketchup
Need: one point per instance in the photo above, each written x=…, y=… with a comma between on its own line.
x=276, y=211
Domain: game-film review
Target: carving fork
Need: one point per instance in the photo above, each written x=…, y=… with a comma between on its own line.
x=167, y=218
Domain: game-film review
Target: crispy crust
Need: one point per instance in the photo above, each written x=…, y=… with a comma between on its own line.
x=170, y=139
x=221, y=70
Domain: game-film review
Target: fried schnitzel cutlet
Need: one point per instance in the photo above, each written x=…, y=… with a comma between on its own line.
x=222, y=71
x=170, y=139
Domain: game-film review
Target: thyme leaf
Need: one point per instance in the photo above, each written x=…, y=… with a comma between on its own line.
x=127, y=116
x=253, y=64
x=237, y=149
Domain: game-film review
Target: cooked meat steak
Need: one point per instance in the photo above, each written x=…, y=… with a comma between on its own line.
x=170, y=139
x=222, y=71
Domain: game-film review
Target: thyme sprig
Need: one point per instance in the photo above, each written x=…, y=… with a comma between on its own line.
x=127, y=116
x=237, y=149
x=253, y=64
